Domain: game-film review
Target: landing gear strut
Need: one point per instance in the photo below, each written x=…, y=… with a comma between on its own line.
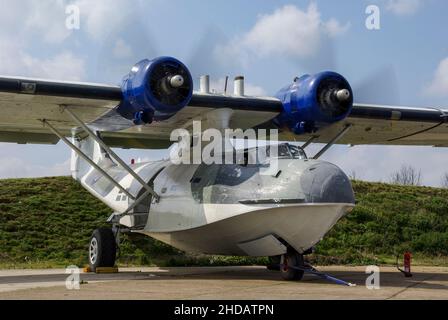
x=292, y=267
x=102, y=249
x=288, y=262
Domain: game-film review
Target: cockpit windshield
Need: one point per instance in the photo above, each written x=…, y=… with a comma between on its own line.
x=261, y=154
x=288, y=151
x=296, y=152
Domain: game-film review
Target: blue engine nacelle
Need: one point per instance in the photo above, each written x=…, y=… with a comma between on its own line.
x=155, y=90
x=313, y=102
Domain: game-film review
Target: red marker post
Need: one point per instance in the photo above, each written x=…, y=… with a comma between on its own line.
x=407, y=264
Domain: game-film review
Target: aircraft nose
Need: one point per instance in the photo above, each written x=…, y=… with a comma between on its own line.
x=324, y=182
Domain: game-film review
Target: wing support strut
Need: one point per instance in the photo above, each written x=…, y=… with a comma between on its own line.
x=110, y=152
x=86, y=158
x=332, y=141
x=310, y=141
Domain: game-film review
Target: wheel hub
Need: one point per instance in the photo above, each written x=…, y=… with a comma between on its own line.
x=93, y=250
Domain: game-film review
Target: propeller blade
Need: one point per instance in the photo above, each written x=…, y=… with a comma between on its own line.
x=323, y=59
x=381, y=87
x=122, y=48
x=203, y=58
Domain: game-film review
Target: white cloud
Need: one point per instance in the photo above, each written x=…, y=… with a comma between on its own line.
x=63, y=66
x=122, y=49
x=334, y=28
x=287, y=31
x=253, y=90
x=439, y=84
x=47, y=20
x=24, y=27
x=101, y=16
x=43, y=20
x=404, y=7
x=15, y=61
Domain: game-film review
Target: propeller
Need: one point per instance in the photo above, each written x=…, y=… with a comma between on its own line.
x=324, y=59
x=170, y=83
x=203, y=60
x=120, y=51
x=380, y=87
x=334, y=97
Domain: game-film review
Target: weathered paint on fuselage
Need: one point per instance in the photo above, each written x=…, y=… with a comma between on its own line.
x=191, y=194
x=214, y=208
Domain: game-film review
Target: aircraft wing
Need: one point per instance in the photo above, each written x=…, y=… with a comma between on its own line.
x=385, y=125
x=24, y=103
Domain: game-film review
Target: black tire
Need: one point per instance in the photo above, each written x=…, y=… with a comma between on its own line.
x=292, y=259
x=104, y=255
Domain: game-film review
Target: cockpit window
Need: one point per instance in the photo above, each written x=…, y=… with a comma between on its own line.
x=283, y=151
x=287, y=151
x=296, y=152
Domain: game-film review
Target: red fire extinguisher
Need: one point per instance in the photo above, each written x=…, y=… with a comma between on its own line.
x=407, y=265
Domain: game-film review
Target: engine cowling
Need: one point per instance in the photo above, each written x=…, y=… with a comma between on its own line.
x=315, y=101
x=155, y=90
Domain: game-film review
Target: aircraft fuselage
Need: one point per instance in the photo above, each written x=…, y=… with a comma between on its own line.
x=232, y=209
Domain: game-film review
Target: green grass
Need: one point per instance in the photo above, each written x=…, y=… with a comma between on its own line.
x=389, y=220
x=47, y=222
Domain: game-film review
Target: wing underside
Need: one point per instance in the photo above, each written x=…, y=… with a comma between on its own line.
x=385, y=125
x=24, y=103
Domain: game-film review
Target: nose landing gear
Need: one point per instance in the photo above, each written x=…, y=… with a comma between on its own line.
x=289, y=264
x=292, y=266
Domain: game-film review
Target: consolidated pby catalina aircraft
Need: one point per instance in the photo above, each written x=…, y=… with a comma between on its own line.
x=225, y=209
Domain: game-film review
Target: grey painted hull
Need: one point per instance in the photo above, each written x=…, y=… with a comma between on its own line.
x=301, y=226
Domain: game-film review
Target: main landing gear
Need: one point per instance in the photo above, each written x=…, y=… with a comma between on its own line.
x=102, y=249
x=290, y=265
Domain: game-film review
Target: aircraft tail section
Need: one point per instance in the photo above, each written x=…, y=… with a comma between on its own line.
x=80, y=167
x=110, y=179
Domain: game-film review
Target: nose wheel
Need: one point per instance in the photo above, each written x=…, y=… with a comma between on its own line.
x=288, y=264
x=102, y=249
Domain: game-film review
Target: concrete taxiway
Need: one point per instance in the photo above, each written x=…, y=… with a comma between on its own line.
x=222, y=283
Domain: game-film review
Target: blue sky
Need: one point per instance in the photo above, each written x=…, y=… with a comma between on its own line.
x=270, y=42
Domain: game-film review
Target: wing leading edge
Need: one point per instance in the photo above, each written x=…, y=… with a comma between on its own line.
x=25, y=102
x=387, y=125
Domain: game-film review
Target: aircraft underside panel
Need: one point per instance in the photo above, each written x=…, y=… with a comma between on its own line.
x=266, y=246
x=300, y=226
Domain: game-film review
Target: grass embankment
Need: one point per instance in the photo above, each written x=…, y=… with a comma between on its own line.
x=47, y=223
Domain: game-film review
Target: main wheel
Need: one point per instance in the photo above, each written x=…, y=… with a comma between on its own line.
x=288, y=261
x=102, y=249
